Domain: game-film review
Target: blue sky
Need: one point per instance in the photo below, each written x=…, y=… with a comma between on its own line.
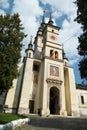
x=63, y=13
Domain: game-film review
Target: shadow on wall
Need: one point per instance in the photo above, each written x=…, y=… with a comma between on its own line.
x=18, y=89
x=2, y=101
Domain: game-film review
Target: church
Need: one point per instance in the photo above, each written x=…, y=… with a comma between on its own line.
x=46, y=85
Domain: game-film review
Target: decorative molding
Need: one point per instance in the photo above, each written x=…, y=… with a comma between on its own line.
x=47, y=57
x=52, y=32
x=54, y=47
x=53, y=81
x=56, y=27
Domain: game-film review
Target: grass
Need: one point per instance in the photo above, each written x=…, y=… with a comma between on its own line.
x=7, y=117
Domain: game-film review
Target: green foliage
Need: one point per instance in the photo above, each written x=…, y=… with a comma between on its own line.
x=82, y=65
x=82, y=48
x=11, y=37
x=8, y=117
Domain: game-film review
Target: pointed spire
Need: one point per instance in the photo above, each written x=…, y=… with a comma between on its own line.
x=43, y=19
x=50, y=18
x=31, y=39
x=30, y=46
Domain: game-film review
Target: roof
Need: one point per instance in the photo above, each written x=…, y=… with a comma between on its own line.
x=81, y=86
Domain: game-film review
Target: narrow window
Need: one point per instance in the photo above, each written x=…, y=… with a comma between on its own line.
x=56, y=55
x=82, y=99
x=29, y=55
x=52, y=30
x=52, y=54
x=65, y=63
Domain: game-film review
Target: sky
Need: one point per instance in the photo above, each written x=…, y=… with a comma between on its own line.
x=63, y=13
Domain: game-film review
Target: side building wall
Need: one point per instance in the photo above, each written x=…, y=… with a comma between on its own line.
x=27, y=87
x=71, y=95
x=82, y=101
x=13, y=94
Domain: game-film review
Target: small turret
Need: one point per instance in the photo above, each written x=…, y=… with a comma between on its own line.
x=29, y=50
x=64, y=56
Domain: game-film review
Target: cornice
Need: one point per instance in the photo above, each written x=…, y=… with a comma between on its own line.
x=54, y=47
x=53, y=81
x=58, y=60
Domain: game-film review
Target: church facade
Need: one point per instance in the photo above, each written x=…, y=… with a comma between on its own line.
x=46, y=84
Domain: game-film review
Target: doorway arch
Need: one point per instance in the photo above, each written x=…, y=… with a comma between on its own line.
x=54, y=101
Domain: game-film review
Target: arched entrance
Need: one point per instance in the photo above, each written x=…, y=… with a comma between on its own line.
x=54, y=101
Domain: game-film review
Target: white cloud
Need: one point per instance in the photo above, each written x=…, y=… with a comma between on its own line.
x=56, y=14
x=2, y=12
x=29, y=11
x=29, y=7
x=68, y=36
x=65, y=6
x=4, y=4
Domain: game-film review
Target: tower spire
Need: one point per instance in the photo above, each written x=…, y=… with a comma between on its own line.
x=43, y=19
x=50, y=18
x=30, y=46
x=31, y=39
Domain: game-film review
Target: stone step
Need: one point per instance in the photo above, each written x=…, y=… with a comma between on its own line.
x=56, y=123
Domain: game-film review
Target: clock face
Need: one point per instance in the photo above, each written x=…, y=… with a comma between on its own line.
x=52, y=37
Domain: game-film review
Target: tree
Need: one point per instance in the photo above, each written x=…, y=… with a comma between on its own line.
x=11, y=37
x=82, y=48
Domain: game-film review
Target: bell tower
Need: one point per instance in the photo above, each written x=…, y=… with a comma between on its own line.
x=52, y=72
x=51, y=46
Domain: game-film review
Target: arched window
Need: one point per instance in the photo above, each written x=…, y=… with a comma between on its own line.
x=56, y=55
x=52, y=30
x=29, y=55
x=82, y=99
x=52, y=54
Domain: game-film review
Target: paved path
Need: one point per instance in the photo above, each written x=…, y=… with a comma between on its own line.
x=56, y=123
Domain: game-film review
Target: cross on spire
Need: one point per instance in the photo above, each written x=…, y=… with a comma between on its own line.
x=44, y=10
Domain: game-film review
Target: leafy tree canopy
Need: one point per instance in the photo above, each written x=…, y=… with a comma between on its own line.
x=82, y=48
x=11, y=37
